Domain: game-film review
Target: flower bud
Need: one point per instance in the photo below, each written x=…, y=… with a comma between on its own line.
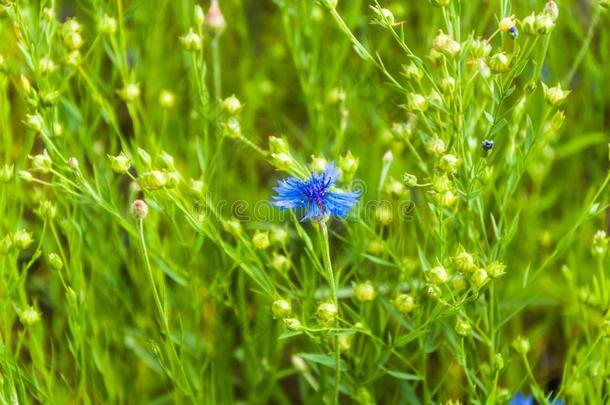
x=599, y=247
x=528, y=25
x=278, y=145
x=506, y=23
x=446, y=45
x=433, y=291
x=365, y=292
x=479, y=278
x=446, y=198
x=417, y=102
x=496, y=269
x=394, y=188
x=551, y=10
x=279, y=235
x=521, y=345
x=233, y=226
x=139, y=209
x=383, y=214
x=449, y=163
x=318, y=164
x=383, y=16
x=327, y=312
x=448, y=85
x=47, y=210
x=55, y=261
x=152, y=180
x=35, y=122
x=129, y=92
x=46, y=65
x=480, y=48
x=435, y=146
x=544, y=24
x=167, y=99
x=292, y=323
x=463, y=261
x=120, y=163
x=281, y=309
x=29, y=316
x=7, y=173
x=438, y=275
x=555, y=96
x=280, y=263
x=463, y=327
x=41, y=163
x=410, y=180
x=499, y=63
x=232, y=105
x=404, y=303
x=413, y=72
x=199, y=15
x=282, y=161
x=214, y=20
x=260, y=240
x=348, y=164
x=191, y=41
x=25, y=176
x=22, y=239
x=107, y=25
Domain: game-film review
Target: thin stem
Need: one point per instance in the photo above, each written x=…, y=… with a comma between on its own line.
x=333, y=291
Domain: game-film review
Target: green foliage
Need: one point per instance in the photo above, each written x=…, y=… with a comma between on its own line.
x=141, y=261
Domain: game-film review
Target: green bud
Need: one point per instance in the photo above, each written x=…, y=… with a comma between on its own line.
x=327, y=311
x=29, y=316
x=280, y=263
x=6, y=173
x=479, y=278
x=521, y=345
x=438, y=275
x=260, y=240
x=55, y=261
x=120, y=164
x=365, y=292
x=281, y=309
x=152, y=180
x=463, y=327
x=22, y=239
x=463, y=261
x=404, y=303
x=41, y=163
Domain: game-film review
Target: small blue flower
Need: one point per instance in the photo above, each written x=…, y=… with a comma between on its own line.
x=513, y=32
x=314, y=194
x=487, y=145
x=521, y=399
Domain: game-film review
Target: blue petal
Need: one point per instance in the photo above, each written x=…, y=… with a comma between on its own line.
x=521, y=399
x=313, y=212
x=289, y=193
x=330, y=174
x=340, y=203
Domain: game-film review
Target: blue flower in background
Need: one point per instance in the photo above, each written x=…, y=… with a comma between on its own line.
x=314, y=194
x=520, y=399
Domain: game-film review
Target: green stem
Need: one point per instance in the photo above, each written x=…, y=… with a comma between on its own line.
x=333, y=291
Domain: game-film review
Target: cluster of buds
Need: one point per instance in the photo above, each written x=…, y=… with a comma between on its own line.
x=599, y=246
x=281, y=157
x=232, y=125
x=444, y=191
x=71, y=34
x=20, y=240
x=446, y=45
x=541, y=23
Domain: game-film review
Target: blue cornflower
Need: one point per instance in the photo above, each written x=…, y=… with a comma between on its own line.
x=314, y=194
